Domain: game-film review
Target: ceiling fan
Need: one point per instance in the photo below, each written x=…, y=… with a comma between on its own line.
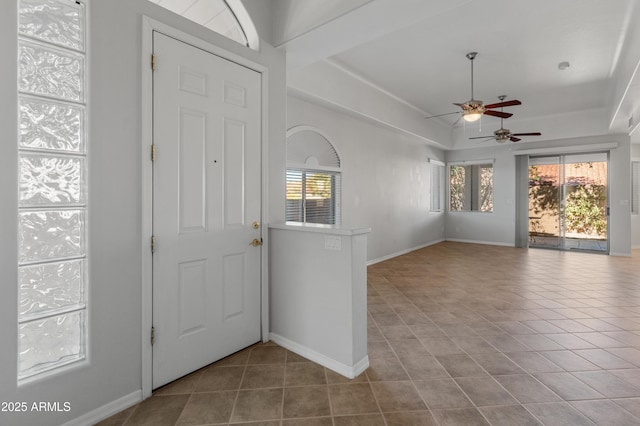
x=502, y=135
x=473, y=109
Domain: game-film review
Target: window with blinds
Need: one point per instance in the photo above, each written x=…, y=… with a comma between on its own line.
x=437, y=186
x=313, y=196
x=635, y=187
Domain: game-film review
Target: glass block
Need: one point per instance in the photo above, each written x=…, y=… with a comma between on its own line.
x=52, y=234
x=50, y=72
x=51, y=286
x=48, y=179
x=51, y=126
x=49, y=343
x=54, y=21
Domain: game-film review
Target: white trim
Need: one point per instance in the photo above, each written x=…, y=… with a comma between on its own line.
x=437, y=162
x=107, y=410
x=148, y=26
x=246, y=23
x=615, y=253
x=489, y=243
x=568, y=149
x=472, y=162
x=350, y=372
x=303, y=166
x=402, y=252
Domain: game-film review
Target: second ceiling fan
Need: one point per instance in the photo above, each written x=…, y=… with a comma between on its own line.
x=473, y=109
x=502, y=134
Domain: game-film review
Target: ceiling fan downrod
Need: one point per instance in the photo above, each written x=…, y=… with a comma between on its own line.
x=471, y=56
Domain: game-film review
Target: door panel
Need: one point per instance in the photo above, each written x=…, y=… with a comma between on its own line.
x=206, y=195
x=568, y=202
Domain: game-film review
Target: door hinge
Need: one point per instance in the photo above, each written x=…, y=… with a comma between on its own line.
x=153, y=61
x=153, y=152
x=153, y=335
x=153, y=244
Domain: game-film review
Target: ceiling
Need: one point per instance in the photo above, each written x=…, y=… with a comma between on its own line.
x=414, y=52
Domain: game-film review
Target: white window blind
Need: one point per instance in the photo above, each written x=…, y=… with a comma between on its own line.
x=437, y=186
x=313, y=196
x=635, y=187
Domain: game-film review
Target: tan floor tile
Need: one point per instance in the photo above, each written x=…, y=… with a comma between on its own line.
x=259, y=404
x=442, y=394
x=305, y=373
x=414, y=418
x=461, y=365
x=306, y=401
x=360, y=420
x=397, y=396
x=263, y=376
x=460, y=417
x=207, y=408
x=509, y=415
x=158, y=411
x=220, y=378
x=485, y=391
x=353, y=398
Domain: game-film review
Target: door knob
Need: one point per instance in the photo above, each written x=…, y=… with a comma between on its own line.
x=256, y=242
x=256, y=225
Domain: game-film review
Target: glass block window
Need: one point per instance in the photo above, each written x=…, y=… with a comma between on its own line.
x=52, y=188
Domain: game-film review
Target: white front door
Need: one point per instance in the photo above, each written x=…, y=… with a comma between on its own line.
x=206, y=208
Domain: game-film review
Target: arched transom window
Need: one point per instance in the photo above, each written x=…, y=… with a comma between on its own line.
x=228, y=18
x=313, y=178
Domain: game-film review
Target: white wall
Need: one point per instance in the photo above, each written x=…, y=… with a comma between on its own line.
x=499, y=227
x=113, y=372
x=385, y=179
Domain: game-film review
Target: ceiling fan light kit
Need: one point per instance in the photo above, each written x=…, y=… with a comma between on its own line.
x=502, y=135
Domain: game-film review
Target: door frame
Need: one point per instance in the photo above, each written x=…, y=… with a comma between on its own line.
x=562, y=199
x=150, y=25
x=522, y=185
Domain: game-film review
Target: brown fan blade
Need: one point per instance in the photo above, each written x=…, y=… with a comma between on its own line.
x=504, y=104
x=482, y=137
x=498, y=113
x=527, y=134
x=441, y=115
x=514, y=139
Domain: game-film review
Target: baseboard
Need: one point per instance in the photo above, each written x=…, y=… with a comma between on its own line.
x=400, y=253
x=106, y=410
x=613, y=253
x=330, y=363
x=489, y=243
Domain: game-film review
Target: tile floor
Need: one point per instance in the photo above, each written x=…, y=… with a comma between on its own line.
x=459, y=334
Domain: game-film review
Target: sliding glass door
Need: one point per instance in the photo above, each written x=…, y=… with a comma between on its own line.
x=568, y=206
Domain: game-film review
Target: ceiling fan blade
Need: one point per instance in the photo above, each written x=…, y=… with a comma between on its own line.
x=498, y=113
x=482, y=137
x=504, y=104
x=513, y=139
x=527, y=134
x=442, y=115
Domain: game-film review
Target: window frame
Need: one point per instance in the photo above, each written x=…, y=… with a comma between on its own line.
x=336, y=190
x=635, y=187
x=437, y=176
x=472, y=186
